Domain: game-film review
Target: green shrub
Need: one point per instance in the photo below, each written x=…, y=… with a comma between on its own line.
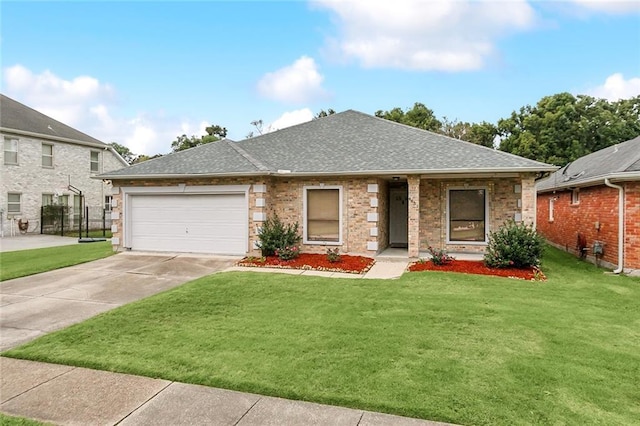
x=333, y=255
x=276, y=235
x=440, y=256
x=288, y=252
x=514, y=245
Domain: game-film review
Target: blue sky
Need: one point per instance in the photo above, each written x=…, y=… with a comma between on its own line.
x=141, y=73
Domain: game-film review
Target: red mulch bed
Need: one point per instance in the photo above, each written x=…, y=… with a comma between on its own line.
x=316, y=262
x=474, y=267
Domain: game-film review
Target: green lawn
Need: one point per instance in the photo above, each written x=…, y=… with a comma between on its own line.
x=441, y=346
x=21, y=263
x=6, y=420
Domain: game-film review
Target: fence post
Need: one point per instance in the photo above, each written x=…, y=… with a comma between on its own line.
x=104, y=222
x=86, y=231
x=62, y=221
x=41, y=220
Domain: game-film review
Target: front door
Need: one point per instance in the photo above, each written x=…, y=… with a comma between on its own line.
x=398, y=217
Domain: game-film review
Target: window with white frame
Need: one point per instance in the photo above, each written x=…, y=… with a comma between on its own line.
x=13, y=203
x=467, y=215
x=575, y=196
x=95, y=161
x=47, y=199
x=10, y=150
x=47, y=155
x=323, y=214
x=107, y=202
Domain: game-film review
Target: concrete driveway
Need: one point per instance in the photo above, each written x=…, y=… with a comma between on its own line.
x=39, y=304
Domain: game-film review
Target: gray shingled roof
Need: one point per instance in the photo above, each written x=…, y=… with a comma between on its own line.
x=345, y=143
x=219, y=157
x=619, y=162
x=17, y=116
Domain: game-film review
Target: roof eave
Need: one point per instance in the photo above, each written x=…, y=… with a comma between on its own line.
x=491, y=170
x=176, y=176
x=597, y=180
x=281, y=173
x=52, y=138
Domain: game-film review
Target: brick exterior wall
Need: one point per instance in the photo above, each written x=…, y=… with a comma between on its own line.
x=365, y=208
x=597, y=205
x=383, y=214
x=505, y=202
x=286, y=199
x=71, y=163
x=632, y=225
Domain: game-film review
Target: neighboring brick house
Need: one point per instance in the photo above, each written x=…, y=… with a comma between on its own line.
x=40, y=158
x=350, y=180
x=591, y=207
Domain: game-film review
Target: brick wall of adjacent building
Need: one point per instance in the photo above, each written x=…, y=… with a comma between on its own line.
x=632, y=225
x=71, y=165
x=595, y=217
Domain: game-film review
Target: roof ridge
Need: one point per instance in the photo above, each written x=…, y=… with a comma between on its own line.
x=256, y=163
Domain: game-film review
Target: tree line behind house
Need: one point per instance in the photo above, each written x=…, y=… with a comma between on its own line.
x=557, y=130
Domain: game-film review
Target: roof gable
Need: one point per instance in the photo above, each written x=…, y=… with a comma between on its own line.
x=19, y=117
x=220, y=157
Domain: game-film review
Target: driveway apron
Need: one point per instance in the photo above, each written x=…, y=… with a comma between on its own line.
x=39, y=304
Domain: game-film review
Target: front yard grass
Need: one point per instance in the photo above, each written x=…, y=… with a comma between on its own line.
x=21, y=263
x=466, y=349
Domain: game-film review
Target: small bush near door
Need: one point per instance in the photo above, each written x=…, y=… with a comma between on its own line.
x=276, y=236
x=514, y=246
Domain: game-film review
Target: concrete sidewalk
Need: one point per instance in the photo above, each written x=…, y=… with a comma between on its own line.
x=79, y=396
x=31, y=241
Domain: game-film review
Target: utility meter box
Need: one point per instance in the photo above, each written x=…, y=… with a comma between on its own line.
x=598, y=248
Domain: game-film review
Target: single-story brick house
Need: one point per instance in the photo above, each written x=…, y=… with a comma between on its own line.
x=350, y=180
x=591, y=206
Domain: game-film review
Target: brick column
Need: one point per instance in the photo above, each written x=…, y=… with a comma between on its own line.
x=414, y=215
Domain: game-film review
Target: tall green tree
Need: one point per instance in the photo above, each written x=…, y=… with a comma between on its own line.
x=323, y=113
x=482, y=134
x=142, y=158
x=214, y=133
x=419, y=116
x=563, y=127
x=124, y=152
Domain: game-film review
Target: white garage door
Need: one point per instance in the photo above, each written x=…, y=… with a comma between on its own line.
x=189, y=223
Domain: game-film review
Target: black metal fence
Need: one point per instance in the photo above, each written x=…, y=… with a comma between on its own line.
x=63, y=220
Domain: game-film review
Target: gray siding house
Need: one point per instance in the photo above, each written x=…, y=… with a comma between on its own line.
x=40, y=158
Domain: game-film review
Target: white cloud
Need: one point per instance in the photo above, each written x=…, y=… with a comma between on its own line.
x=288, y=119
x=296, y=83
x=610, y=6
x=616, y=87
x=89, y=105
x=424, y=35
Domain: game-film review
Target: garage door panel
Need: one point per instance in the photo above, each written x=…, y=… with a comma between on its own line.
x=189, y=223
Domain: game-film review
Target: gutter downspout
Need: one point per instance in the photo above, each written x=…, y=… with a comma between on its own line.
x=620, y=224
